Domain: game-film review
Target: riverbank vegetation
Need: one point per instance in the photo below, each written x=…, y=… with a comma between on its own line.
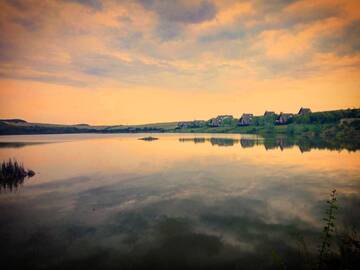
x=340, y=125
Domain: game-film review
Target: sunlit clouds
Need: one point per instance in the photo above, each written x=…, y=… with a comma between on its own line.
x=112, y=62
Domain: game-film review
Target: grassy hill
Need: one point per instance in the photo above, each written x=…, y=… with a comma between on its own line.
x=19, y=126
x=337, y=123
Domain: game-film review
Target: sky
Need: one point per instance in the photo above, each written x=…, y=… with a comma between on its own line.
x=142, y=61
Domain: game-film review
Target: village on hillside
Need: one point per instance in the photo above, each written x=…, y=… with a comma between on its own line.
x=246, y=119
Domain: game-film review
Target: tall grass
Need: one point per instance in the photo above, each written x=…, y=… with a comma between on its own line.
x=12, y=174
x=328, y=230
x=337, y=248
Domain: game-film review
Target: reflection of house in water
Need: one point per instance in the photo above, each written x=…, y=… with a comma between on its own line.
x=246, y=119
x=244, y=142
x=270, y=143
x=284, y=143
x=304, y=148
x=247, y=143
x=223, y=141
x=281, y=143
x=304, y=144
x=213, y=141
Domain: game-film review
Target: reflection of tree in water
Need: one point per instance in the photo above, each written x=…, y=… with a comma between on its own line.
x=247, y=143
x=195, y=140
x=19, y=144
x=304, y=143
x=281, y=143
x=231, y=234
x=212, y=140
x=223, y=141
x=12, y=175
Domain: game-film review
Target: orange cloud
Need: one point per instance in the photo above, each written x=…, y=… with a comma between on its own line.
x=132, y=63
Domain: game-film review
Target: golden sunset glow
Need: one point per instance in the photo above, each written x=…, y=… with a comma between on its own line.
x=132, y=62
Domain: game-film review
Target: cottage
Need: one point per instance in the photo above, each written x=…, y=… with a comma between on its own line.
x=269, y=113
x=184, y=124
x=246, y=119
x=191, y=124
x=303, y=111
x=219, y=120
x=284, y=118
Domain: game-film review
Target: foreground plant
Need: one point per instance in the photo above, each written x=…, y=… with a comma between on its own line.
x=12, y=173
x=338, y=249
x=329, y=229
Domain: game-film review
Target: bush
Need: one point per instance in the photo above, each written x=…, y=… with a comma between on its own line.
x=13, y=173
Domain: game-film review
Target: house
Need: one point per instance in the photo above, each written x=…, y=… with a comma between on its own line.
x=219, y=120
x=191, y=124
x=303, y=111
x=269, y=113
x=246, y=119
x=184, y=124
x=284, y=118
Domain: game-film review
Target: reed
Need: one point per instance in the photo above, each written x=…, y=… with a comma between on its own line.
x=328, y=230
x=13, y=173
x=337, y=249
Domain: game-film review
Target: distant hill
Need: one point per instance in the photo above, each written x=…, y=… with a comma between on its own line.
x=18, y=126
x=13, y=120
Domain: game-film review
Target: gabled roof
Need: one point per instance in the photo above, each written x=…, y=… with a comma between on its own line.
x=304, y=110
x=224, y=116
x=246, y=119
x=269, y=113
x=247, y=115
x=285, y=115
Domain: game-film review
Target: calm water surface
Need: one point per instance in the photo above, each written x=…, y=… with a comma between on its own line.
x=183, y=201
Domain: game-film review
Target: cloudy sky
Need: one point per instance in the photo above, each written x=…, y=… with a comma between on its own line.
x=114, y=62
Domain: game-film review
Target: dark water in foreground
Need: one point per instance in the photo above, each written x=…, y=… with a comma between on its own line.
x=181, y=202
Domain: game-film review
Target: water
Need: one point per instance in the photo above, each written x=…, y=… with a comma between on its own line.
x=184, y=201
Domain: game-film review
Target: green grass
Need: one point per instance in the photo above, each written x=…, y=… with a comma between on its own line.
x=165, y=125
x=318, y=123
x=262, y=130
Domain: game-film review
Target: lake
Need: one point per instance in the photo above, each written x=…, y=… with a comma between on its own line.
x=184, y=201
